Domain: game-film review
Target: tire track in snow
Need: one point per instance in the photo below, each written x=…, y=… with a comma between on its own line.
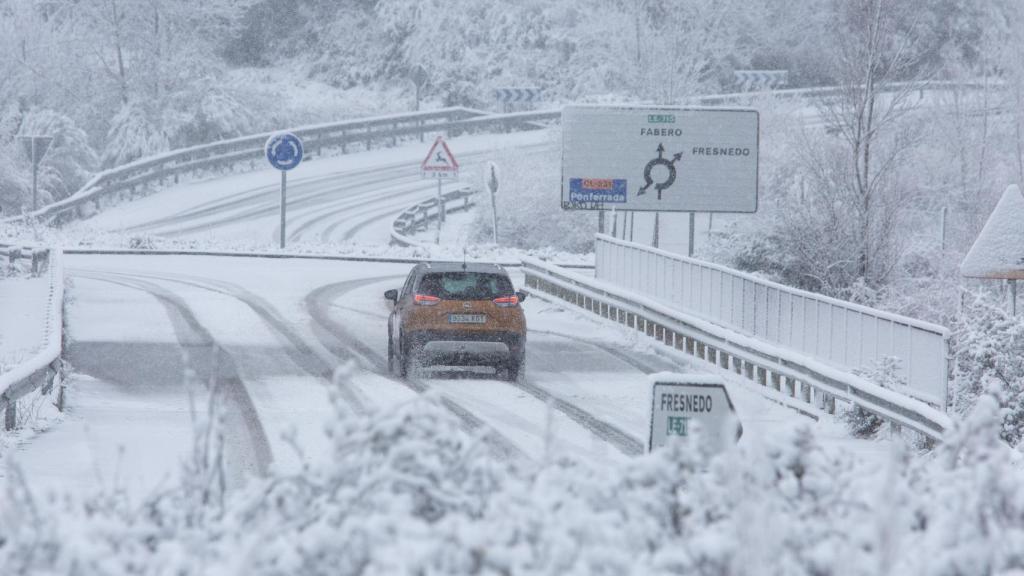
x=319, y=301
x=242, y=420
x=297, y=348
x=334, y=335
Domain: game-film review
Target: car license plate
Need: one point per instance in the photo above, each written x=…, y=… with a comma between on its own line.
x=467, y=319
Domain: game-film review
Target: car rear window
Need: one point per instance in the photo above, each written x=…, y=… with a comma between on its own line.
x=465, y=285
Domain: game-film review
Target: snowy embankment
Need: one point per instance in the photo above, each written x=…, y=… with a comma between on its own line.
x=30, y=320
x=31, y=333
x=407, y=491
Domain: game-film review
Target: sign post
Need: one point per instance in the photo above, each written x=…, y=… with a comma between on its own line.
x=492, y=185
x=440, y=164
x=284, y=152
x=35, y=147
x=419, y=78
x=681, y=403
x=660, y=159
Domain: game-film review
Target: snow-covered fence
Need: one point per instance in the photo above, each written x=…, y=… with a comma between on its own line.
x=784, y=374
x=419, y=216
x=831, y=331
x=248, y=150
x=43, y=370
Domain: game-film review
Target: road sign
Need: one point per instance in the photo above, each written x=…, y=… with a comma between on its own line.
x=659, y=159
x=440, y=162
x=749, y=80
x=35, y=148
x=511, y=95
x=284, y=151
x=683, y=403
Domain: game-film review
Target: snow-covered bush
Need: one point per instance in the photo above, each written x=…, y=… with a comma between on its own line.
x=860, y=422
x=407, y=491
x=530, y=215
x=989, y=360
x=69, y=160
x=134, y=133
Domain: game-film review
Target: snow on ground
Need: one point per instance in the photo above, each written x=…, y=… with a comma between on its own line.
x=280, y=328
x=24, y=305
x=244, y=207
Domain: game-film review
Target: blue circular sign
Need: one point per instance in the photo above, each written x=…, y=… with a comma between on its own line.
x=284, y=151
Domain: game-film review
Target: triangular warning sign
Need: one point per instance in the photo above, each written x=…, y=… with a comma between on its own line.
x=999, y=250
x=440, y=158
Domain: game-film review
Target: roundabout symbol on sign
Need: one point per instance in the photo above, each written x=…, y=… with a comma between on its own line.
x=660, y=161
x=284, y=151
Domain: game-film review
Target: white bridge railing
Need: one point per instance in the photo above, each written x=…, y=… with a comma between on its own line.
x=785, y=375
x=837, y=333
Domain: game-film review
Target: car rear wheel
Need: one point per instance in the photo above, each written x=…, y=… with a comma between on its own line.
x=408, y=360
x=392, y=361
x=513, y=370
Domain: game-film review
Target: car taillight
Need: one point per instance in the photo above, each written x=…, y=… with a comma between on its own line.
x=507, y=301
x=424, y=300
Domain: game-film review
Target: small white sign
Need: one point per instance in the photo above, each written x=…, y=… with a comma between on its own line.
x=680, y=403
x=440, y=162
x=659, y=159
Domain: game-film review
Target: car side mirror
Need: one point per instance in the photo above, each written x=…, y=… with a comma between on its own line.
x=391, y=295
x=521, y=295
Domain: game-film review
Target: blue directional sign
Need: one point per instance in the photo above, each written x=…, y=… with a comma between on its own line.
x=284, y=151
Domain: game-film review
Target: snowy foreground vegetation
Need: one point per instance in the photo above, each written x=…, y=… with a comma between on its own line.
x=408, y=492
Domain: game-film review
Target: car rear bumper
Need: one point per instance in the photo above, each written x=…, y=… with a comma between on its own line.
x=451, y=348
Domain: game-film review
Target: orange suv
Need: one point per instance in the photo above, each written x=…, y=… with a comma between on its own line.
x=457, y=314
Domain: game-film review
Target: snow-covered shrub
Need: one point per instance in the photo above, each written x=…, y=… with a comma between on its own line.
x=134, y=133
x=69, y=160
x=530, y=215
x=209, y=115
x=989, y=359
x=885, y=373
x=407, y=491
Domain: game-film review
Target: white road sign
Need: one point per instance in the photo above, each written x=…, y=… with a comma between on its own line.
x=680, y=403
x=659, y=159
x=440, y=162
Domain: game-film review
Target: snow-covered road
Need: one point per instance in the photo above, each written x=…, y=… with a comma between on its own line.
x=150, y=334
x=352, y=198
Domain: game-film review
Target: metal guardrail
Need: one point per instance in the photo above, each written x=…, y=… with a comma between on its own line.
x=382, y=130
x=832, y=331
x=785, y=375
x=45, y=368
x=419, y=216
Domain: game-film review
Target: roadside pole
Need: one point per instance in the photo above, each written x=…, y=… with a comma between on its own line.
x=284, y=203
x=284, y=152
x=492, y=186
x=440, y=163
x=35, y=147
x=693, y=224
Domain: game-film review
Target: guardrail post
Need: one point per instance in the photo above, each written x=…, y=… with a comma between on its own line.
x=10, y=414
x=776, y=382
x=344, y=147
x=394, y=138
